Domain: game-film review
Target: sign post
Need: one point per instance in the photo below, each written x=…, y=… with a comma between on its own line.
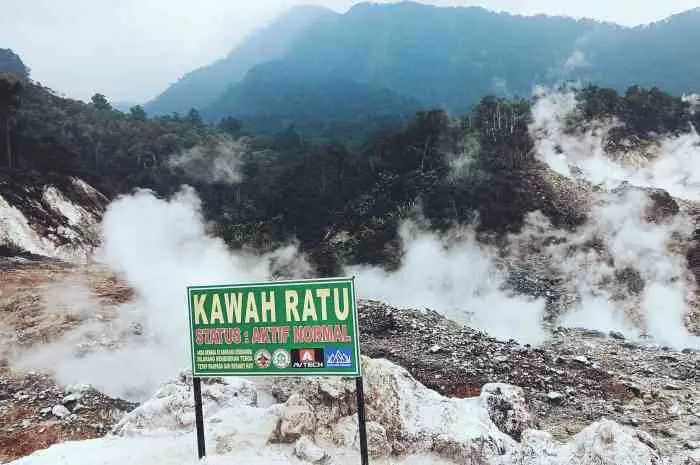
x=199, y=417
x=278, y=328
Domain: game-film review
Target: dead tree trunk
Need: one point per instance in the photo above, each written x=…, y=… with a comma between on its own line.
x=9, y=144
x=5, y=142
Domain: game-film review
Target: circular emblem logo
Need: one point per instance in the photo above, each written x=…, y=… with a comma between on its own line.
x=281, y=358
x=262, y=358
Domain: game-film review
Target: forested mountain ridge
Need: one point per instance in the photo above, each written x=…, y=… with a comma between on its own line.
x=202, y=86
x=285, y=186
x=444, y=57
x=658, y=54
x=450, y=57
x=273, y=96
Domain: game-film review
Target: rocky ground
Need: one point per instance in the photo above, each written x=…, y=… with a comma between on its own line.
x=575, y=379
x=34, y=411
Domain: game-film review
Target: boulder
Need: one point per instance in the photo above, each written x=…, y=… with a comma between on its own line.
x=403, y=416
x=305, y=449
x=296, y=418
x=507, y=408
x=602, y=443
x=661, y=206
x=172, y=406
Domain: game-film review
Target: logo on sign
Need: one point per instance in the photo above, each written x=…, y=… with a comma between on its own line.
x=307, y=358
x=262, y=358
x=340, y=357
x=281, y=358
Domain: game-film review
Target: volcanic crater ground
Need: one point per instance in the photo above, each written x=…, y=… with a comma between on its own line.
x=574, y=379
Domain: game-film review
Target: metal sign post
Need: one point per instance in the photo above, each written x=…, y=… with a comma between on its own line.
x=361, y=420
x=199, y=416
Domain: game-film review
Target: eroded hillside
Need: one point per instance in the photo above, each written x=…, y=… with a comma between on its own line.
x=49, y=215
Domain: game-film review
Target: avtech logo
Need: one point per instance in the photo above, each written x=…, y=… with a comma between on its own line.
x=307, y=358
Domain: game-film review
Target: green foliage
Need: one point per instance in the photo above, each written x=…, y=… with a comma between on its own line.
x=642, y=113
x=11, y=86
x=100, y=102
x=230, y=126
x=137, y=113
x=53, y=133
x=342, y=202
x=194, y=118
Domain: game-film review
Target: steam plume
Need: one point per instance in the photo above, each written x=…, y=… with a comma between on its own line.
x=623, y=269
x=159, y=247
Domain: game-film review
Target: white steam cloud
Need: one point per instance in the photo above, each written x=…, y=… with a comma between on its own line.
x=693, y=100
x=670, y=163
x=576, y=60
x=633, y=243
x=159, y=247
x=621, y=270
x=459, y=278
x=218, y=161
x=635, y=280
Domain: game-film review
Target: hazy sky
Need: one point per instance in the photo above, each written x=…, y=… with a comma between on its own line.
x=130, y=50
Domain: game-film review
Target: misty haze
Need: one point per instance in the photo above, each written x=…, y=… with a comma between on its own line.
x=515, y=190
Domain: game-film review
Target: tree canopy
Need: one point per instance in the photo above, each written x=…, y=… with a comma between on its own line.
x=264, y=190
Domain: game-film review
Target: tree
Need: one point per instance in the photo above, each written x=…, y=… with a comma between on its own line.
x=100, y=102
x=230, y=125
x=137, y=113
x=10, y=91
x=194, y=118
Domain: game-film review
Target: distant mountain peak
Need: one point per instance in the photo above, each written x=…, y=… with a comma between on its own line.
x=402, y=4
x=435, y=56
x=304, y=13
x=306, y=9
x=200, y=87
x=11, y=63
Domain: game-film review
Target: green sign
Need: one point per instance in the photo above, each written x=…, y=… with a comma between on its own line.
x=279, y=328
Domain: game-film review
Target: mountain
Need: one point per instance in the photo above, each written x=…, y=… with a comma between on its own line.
x=451, y=57
x=662, y=54
x=201, y=86
x=448, y=57
x=304, y=99
x=10, y=62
